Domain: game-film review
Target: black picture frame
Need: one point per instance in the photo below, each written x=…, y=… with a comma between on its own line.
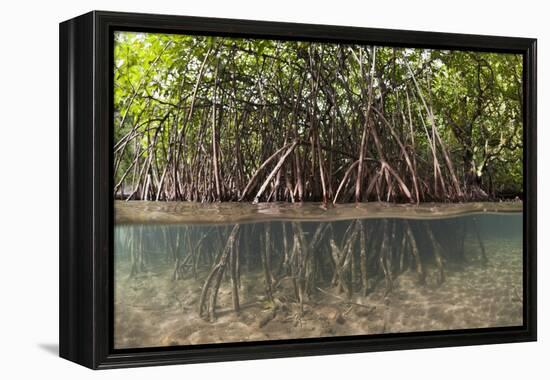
x=86, y=201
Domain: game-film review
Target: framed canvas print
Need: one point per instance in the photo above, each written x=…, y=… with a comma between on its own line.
x=236, y=189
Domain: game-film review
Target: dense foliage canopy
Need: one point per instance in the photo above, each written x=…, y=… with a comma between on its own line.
x=223, y=119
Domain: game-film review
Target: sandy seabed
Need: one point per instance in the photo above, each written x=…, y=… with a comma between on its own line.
x=154, y=310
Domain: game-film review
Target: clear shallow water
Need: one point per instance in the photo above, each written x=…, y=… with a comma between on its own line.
x=181, y=283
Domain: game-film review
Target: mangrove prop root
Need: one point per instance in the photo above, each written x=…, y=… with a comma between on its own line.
x=342, y=257
x=437, y=250
x=385, y=250
x=402, y=250
x=480, y=242
x=176, y=273
x=137, y=252
x=285, y=264
x=414, y=252
x=233, y=262
x=363, y=258
x=213, y=280
x=266, y=263
x=237, y=256
x=300, y=263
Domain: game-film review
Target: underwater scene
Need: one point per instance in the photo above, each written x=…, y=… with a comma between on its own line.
x=401, y=269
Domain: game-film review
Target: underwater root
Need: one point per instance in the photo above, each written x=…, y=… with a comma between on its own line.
x=297, y=265
x=209, y=294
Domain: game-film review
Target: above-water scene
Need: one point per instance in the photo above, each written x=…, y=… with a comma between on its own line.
x=282, y=189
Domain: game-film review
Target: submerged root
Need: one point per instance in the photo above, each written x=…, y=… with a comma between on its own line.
x=212, y=284
x=414, y=253
x=385, y=251
x=342, y=257
x=296, y=260
x=137, y=252
x=363, y=258
x=484, y=259
x=436, y=248
x=266, y=263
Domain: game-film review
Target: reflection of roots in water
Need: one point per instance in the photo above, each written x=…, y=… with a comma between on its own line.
x=309, y=261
